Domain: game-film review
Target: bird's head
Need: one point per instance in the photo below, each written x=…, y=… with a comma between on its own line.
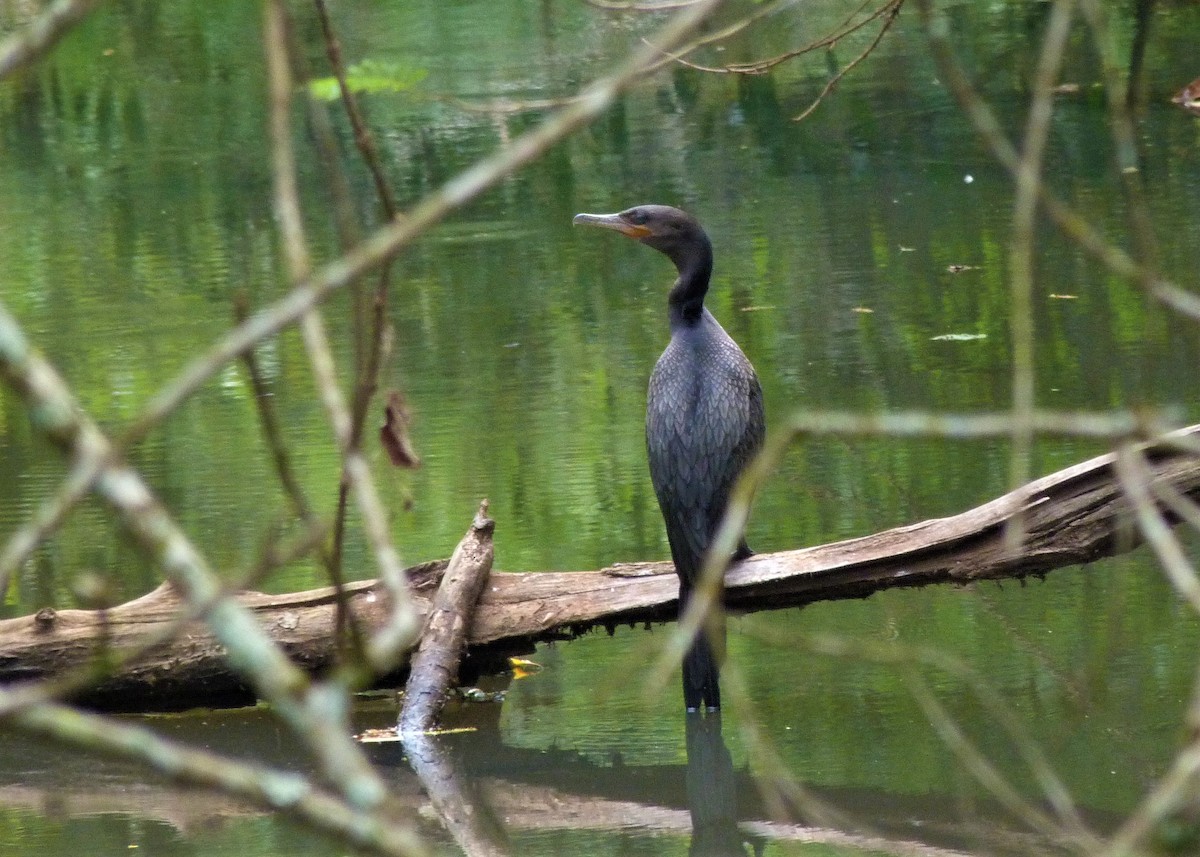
x=668, y=230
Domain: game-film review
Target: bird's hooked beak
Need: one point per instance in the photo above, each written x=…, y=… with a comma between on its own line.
x=614, y=222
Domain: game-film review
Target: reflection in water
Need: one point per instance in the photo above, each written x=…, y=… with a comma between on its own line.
x=455, y=798
x=525, y=360
x=711, y=789
x=552, y=801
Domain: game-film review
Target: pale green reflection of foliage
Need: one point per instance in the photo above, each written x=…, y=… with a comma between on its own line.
x=369, y=77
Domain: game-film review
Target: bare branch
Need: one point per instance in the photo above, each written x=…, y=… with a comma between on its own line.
x=1072, y=225
x=388, y=645
x=1028, y=180
x=299, y=265
x=272, y=432
x=37, y=40
x=362, y=134
x=370, y=343
x=51, y=515
x=703, y=609
x=661, y=6
x=279, y=791
x=1135, y=480
x=387, y=241
x=1168, y=795
x=977, y=764
x=80, y=678
x=891, y=10
x=310, y=712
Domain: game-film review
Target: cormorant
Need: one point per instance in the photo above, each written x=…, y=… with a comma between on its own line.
x=704, y=417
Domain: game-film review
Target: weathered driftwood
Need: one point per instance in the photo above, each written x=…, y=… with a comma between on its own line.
x=434, y=666
x=1073, y=516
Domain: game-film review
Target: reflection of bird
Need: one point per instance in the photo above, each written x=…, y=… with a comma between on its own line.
x=704, y=417
x=711, y=791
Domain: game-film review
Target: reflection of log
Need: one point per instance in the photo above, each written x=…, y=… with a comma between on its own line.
x=455, y=798
x=1070, y=517
x=435, y=664
x=530, y=789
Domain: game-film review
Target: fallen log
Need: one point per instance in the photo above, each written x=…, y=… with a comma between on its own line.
x=1070, y=517
x=444, y=638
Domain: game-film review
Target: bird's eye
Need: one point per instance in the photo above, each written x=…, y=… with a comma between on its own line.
x=637, y=216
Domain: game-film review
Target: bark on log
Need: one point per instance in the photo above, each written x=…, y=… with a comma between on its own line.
x=435, y=664
x=1071, y=517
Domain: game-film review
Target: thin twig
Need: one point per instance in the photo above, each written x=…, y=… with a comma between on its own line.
x=363, y=138
x=295, y=252
x=1174, y=792
x=1025, y=202
x=781, y=791
x=758, y=67
x=893, y=9
x=1097, y=425
x=51, y=515
x=1135, y=480
x=368, y=342
x=269, y=420
x=1124, y=137
x=1068, y=824
x=706, y=597
x=677, y=56
x=977, y=764
x=660, y=6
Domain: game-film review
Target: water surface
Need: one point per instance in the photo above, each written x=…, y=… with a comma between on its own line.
x=135, y=191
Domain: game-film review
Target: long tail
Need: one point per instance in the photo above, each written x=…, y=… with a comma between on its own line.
x=701, y=664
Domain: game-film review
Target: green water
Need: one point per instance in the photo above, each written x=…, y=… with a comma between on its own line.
x=135, y=206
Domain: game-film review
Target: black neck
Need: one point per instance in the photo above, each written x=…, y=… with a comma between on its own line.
x=686, y=301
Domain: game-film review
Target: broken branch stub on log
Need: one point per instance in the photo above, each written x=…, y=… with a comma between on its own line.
x=1070, y=517
x=434, y=666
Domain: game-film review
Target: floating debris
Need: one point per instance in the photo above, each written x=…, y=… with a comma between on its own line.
x=958, y=269
x=475, y=694
x=958, y=337
x=862, y=309
x=1065, y=297
x=1189, y=97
